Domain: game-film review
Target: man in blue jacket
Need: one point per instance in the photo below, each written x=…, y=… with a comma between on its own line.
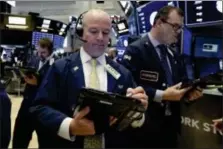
x=54, y=106
x=159, y=70
x=24, y=127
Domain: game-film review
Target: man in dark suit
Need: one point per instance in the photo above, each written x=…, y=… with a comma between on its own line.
x=54, y=106
x=158, y=69
x=23, y=125
x=5, y=120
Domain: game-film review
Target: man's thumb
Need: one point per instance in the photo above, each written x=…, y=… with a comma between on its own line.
x=83, y=113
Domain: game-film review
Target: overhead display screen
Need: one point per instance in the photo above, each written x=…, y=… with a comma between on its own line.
x=58, y=41
x=147, y=13
x=203, y=12
x=38, y=35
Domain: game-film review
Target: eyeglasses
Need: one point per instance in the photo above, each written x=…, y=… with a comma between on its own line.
x=176, y=27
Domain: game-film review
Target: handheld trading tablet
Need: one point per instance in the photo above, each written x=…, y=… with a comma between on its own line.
x=27, y=71
x=203, y=82
x=104, y=104
x=214, y=79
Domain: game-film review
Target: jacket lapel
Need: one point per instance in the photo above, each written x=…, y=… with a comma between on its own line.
x=76, y=70
x=152, y=51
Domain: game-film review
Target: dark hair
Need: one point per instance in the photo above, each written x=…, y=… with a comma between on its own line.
x=46, y=43
x=164, y=12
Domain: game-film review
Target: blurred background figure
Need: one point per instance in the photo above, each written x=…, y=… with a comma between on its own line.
x=5, y=118
x=24, y=127
x=112, y=53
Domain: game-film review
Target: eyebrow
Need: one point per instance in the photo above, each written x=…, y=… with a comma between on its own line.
x=93, y=28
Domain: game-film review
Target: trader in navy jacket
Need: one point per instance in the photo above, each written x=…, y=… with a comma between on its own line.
x=159, y=70
x=24, y=127
x=54, y=106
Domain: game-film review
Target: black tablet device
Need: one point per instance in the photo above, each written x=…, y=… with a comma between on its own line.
x=105, y=104
x=214, y=79
x=27, y=71
x=211, y=79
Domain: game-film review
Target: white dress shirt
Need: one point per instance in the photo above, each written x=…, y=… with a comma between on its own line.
x=40, y=65
x=102, y=75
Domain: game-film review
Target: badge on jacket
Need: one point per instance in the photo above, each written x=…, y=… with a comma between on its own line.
x=112, y=71
x=149, y=75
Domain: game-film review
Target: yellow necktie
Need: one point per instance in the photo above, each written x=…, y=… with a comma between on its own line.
x=94, y=82
x=95, y=141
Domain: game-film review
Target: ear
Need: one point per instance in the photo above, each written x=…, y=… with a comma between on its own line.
x=158, y=22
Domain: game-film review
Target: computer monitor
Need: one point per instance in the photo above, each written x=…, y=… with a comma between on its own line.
x=36, y=36
x=202, y=13
x=208, y=53
x=147, y=13
x=208, y=47
x=187, y=42
x=58, y=41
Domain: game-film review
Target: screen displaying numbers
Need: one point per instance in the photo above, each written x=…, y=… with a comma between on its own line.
x=36, y=36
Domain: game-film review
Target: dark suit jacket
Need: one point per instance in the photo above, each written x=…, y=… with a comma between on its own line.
x=58, y=96
x=30, y=90
x=143, y=61
x=5, y=120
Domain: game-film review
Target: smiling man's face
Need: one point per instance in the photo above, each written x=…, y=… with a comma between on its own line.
x=97, y=27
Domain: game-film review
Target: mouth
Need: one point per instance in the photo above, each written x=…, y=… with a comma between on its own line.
x=99, y=45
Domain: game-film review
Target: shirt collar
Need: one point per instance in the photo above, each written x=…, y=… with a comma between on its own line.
x=85, y=57
x=154, y=42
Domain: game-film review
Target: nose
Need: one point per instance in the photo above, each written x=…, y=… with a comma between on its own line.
x=100, y=36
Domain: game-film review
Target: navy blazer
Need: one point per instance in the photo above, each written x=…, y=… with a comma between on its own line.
x=30, y=90
x=142, y=59
x=5, y=120
x=58, y=96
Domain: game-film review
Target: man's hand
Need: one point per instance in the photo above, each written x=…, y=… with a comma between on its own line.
x=31, y=80
x=195, y=94
x=80, y=125
x=174, y=93
x=218, y=124
x=138, y=93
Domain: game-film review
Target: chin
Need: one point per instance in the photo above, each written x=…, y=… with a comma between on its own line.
x=97, y=53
